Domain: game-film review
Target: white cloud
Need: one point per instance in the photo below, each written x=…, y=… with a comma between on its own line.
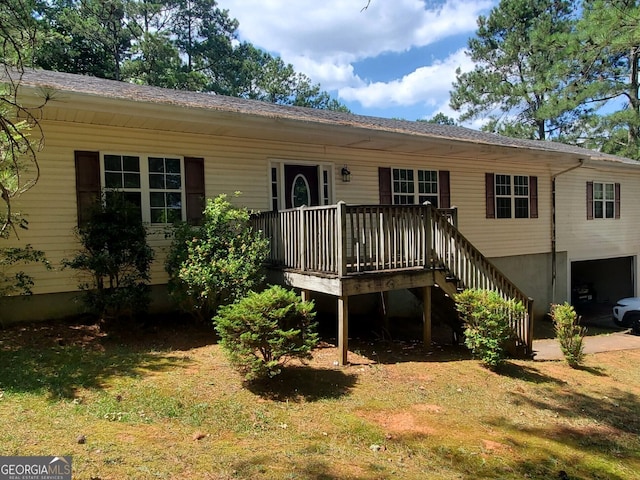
x=325, y=38
x=426, y=85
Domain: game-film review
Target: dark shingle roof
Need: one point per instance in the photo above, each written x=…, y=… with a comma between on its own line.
x=155, y=95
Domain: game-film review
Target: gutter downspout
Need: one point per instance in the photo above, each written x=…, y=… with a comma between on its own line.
x=554, y=266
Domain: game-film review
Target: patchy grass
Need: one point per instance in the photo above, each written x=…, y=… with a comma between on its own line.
x=163, y=403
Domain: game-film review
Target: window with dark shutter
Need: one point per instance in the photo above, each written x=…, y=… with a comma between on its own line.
x=603, y=200
x=511, y=196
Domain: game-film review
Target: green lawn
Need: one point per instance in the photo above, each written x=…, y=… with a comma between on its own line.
x=164, y=403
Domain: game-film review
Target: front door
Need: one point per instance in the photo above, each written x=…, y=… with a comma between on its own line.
x=301, y=186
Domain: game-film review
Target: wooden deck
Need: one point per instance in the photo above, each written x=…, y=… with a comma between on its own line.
x=345, y=250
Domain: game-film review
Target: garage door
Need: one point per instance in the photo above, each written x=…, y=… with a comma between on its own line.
x=602, y=281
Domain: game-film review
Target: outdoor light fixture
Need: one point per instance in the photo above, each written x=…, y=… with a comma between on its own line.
x=346, y=174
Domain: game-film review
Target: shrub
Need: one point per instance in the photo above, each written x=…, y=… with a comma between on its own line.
x=14, y=281
x=569, y=333
x=116, y=257
x=486, y=317
x=263, y=330
x=216, y=263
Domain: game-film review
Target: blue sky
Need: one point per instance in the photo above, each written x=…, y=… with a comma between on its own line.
x=395, y=59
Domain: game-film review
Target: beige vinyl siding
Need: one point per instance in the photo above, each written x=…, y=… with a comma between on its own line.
x=601, y=237
x=241, y=164
x=494, y=237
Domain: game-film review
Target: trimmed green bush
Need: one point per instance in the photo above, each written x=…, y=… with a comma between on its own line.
x=486, y=317
x=569, y=333
x=217, y=262
x=262, y=331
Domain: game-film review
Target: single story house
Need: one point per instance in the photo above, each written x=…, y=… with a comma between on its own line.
x=552, y=218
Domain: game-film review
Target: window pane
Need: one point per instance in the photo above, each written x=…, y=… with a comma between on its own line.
x=300, y=193
x=521, y=185
x=522, y=207
x=427, y=181
x=131, y=180
x=172, y=165
x=610, y=209
x=113, y=180
x=158, y=216
x=131, y=164
x=503, y=207
x=598, y=209
x=173, y=215
x=157, y=199
x=113, y=163
x=503, y=184
x=598, y=191
x=609, y=191
x=132, y=200
x=174, y=200
x=156, y=180
x=156, y=165
x=173, y=182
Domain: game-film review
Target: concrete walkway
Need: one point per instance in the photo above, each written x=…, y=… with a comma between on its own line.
x=549, y=349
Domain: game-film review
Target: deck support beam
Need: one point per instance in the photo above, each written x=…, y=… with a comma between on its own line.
x=343, y=329
x=305, y=295
x=426, y=317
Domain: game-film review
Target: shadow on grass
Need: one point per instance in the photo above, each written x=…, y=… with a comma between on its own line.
x=392, y=352
x=538, y=464
x=302, y=383
x=525, y=372
x=58, y=358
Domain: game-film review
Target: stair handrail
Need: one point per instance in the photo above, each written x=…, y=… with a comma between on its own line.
x=457, y=255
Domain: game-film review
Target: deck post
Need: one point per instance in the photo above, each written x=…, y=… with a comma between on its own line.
x=343, y=329
x=426, y=317
x=305, y=295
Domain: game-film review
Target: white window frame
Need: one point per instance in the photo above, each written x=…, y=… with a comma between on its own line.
x=413, y=186
x=604, y=201
x=512, y=194
x=145, y=190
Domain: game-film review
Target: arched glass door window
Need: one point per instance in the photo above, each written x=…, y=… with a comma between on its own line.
x=300, y=191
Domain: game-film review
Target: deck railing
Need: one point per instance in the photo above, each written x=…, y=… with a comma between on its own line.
x=343, y=240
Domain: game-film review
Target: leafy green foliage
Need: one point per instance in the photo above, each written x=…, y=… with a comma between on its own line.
x=515, y=50
x=16, y=281
x=20, y=139
x=116, y=257
x=217, y=262
x=263, y=330
x=486, y=316
x=569, y=333
x=182, y=44
x=603, y=71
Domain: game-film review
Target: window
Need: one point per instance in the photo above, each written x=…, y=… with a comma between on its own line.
x=153, y=184
x=603, y=200
x=407, y=183
x=511, y=196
